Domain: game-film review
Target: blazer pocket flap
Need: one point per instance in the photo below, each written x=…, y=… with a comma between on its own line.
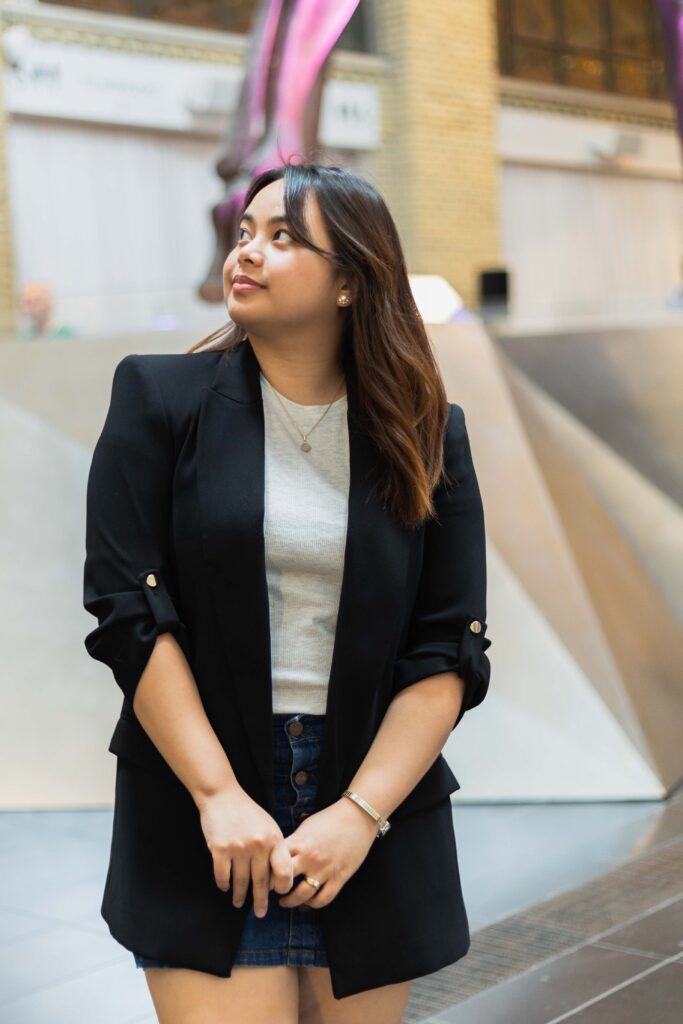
x=130, y=741
x=437, y=783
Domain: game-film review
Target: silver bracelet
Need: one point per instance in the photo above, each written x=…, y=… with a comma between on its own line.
x=383, y=823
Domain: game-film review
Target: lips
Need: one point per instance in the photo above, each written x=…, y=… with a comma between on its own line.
x=242, y=279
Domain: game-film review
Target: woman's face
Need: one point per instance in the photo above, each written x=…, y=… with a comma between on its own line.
x=298, y=287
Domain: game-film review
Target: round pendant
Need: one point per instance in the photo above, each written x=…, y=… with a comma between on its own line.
x=305, y=446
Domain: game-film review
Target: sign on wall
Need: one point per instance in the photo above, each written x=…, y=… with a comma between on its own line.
x=106, y=87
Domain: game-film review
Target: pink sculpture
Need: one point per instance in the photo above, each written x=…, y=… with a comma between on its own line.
x=671, y=20
x=278, y=109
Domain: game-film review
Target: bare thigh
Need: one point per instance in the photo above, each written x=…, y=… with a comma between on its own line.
x=317, y=1005
x=259, y=995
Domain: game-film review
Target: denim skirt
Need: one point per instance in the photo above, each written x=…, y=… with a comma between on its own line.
x=286, y=935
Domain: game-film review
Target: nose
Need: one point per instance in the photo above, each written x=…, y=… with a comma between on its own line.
x=249, y=252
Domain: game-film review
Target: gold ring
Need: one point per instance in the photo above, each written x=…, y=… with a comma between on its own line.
x=313, y=881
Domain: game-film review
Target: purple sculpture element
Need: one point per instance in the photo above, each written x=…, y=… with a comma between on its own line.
x=278, y=109
x=671, y=19
x=247, y=127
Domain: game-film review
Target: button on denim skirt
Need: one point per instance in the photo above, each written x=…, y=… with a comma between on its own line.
x=286, y=935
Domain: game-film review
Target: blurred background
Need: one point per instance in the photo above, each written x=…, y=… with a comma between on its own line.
x=530, y=153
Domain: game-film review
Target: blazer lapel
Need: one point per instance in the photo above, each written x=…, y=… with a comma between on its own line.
x=230, y=468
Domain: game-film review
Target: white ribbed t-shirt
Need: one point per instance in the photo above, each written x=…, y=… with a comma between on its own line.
x=305, y=520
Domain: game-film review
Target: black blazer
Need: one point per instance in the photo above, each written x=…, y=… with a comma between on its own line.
x=174, y=543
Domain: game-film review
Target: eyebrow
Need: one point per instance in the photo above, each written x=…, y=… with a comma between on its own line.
x=278, y=219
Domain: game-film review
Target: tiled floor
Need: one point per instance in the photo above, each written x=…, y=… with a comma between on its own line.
x=607, y=950
x=610, y=981
x=532, y=875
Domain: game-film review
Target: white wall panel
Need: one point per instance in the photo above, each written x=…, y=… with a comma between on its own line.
x=581, y=243
x=116, y=222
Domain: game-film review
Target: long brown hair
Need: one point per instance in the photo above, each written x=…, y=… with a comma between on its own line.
x=401, y=399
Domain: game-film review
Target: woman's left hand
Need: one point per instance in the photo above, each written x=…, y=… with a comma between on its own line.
x=329, y=845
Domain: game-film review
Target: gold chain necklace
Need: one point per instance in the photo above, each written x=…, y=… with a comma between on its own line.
x=305, y=446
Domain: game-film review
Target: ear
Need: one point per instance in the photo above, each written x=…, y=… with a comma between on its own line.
x=349, y=286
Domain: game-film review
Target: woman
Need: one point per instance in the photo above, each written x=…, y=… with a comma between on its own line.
x=285, y=553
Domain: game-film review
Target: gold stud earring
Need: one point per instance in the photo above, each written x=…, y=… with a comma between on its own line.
x=343, y=300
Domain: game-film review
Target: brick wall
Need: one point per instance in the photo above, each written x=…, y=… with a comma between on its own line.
x=439, y=168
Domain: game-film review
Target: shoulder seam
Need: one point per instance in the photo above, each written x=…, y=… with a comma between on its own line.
x=140, y=364
x=163, y=406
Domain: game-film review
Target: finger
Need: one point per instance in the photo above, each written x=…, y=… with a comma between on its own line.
x=221, y=871
x=303, y=893
x=260, y=874
x=241, y=876
x=282, y=867
x=324, y=896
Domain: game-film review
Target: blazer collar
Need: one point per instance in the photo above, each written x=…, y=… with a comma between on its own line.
x=237, y=376
x=230, y=480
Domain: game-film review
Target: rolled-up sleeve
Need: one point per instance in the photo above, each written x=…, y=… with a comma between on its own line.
x=448, y=622
x=127, y=583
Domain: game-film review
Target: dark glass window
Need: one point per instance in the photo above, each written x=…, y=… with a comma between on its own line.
x=222, y=15
x=605, y=45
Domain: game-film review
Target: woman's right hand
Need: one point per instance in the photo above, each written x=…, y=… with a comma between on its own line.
x=247, y=843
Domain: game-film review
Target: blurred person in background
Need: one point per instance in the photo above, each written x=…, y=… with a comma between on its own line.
x=35, y=314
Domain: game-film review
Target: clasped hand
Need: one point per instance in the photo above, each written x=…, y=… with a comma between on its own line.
x=247, y=845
